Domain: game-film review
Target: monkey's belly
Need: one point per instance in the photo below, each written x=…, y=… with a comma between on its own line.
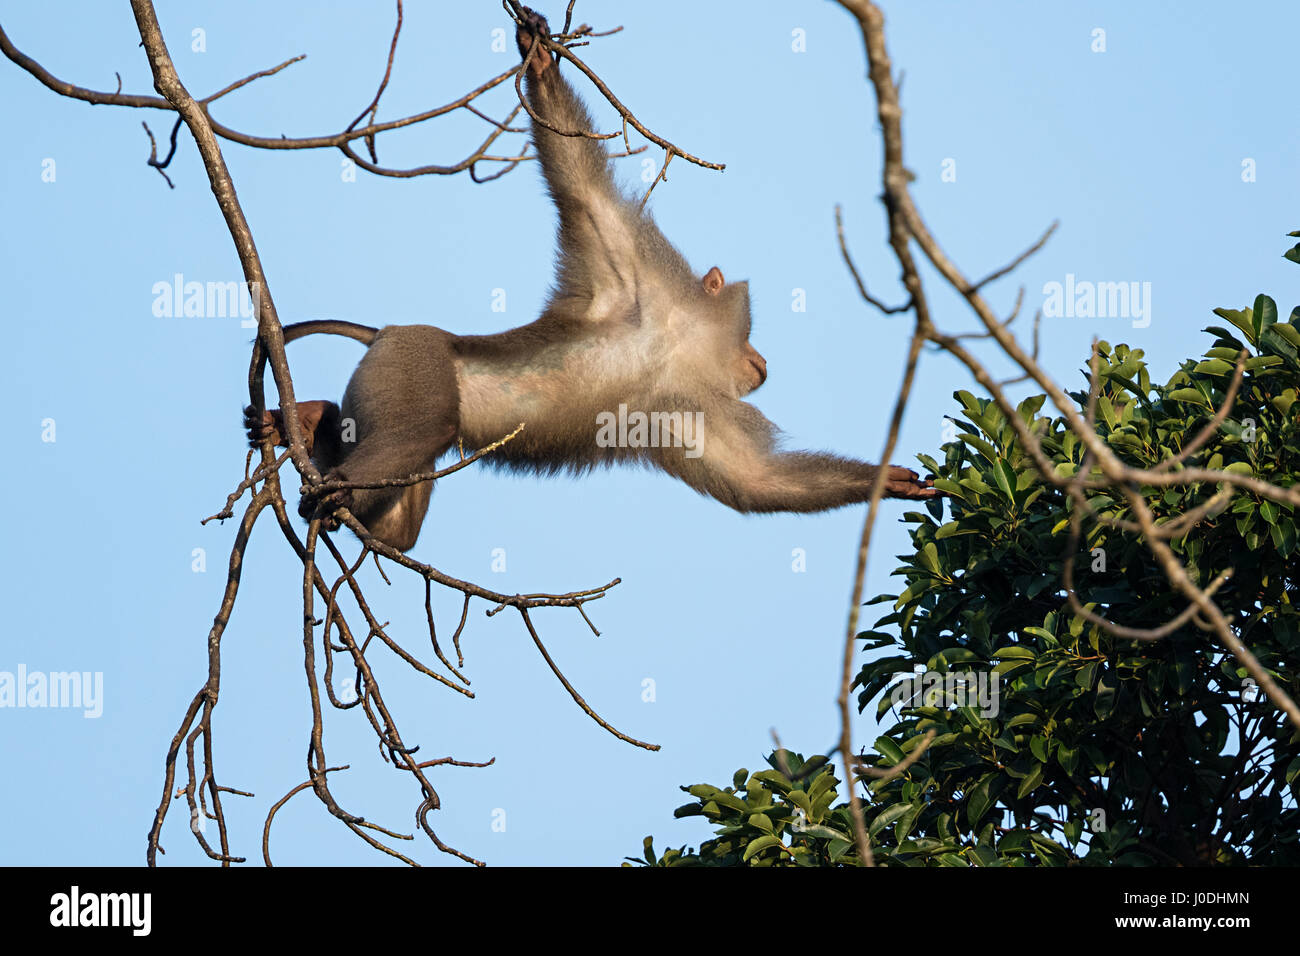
x=561, y=428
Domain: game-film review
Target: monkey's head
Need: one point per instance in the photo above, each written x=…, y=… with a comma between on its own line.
x=729, y=304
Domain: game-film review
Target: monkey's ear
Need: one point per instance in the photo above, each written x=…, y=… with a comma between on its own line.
x=713, y=281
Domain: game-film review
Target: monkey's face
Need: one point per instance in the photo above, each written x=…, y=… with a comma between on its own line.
x=734, y=323
x=730, y=324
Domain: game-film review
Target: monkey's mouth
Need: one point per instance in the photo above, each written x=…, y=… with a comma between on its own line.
x=759, y=365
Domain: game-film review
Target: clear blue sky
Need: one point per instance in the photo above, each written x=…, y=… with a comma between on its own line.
x=1137, y=150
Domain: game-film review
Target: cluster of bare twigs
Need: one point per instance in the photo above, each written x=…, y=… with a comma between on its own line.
x=1101, y=467
x=200, y=787
x=344, y=140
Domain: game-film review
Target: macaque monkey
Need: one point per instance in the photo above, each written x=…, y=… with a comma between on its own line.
x=635, y=359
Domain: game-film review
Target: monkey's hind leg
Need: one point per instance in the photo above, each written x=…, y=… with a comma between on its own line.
x=393, y=514
x=402, y=408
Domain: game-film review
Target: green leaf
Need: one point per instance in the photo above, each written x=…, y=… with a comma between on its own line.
x=1242, y=320
x=1188, y=395
x=838, y=849
x=954, y=528
x=759, y=844
x=1264, y=315
x=732, y=801
x=1104, y=705
x=1031, y=782
x=980, y=445
x=1214, y=367
x=968, y=401
x=824, y=832
x=950, y=487
x=984, y=856
x=905, y=823
x=1068, y=758
x=1263, y=361
x=949, y=656
x=889, y=749
x=1107, y=410
x=821, y=784
x=1030, y=406
x=887, y=816
x=1005, y=476
x=1015, y=841
x=980, y=800
x=1289, y=333
x=1293, y=770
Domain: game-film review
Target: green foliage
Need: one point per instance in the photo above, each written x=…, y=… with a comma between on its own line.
x=1100, y=750
x=777, y=817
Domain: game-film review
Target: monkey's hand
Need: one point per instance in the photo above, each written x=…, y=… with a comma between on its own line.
x=531, y=26
x=905, y=483
x=270, y=425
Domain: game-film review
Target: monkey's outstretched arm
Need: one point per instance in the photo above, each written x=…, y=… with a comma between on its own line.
x=576, y=167
x=735, y=460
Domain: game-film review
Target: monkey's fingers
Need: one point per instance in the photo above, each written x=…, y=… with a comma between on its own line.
x=911, y=491
x=268, y=426
x=905, y=483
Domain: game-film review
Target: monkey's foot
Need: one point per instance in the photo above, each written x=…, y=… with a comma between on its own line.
x=533, y=25
x=323, y=506
x=905, y=483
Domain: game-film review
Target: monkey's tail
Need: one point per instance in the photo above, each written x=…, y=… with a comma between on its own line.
x=362, y=333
